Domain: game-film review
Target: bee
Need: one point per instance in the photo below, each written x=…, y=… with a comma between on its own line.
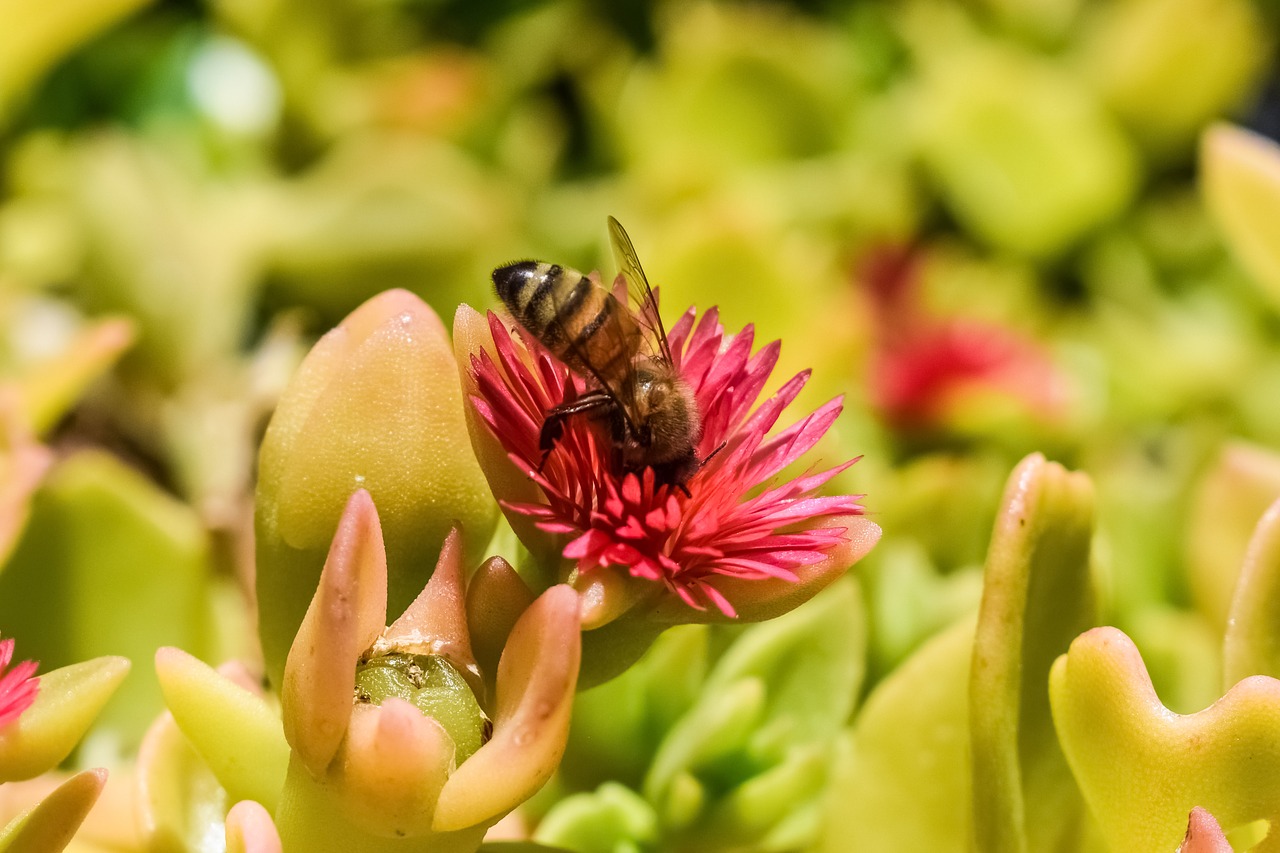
x=635, y=389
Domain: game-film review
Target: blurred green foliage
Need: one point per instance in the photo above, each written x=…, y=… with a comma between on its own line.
x=234, y=177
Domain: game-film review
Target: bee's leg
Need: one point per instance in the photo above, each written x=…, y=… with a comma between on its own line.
x=553, y=426
x=712, y=454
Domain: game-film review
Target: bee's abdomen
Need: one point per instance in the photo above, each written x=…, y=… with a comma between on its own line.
x=579, y=321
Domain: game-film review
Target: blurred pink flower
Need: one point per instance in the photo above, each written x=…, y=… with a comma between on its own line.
x=18, y=686
x=735, y=524
x=921, y=364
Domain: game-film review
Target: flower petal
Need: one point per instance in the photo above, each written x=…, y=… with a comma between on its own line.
x=758, y=600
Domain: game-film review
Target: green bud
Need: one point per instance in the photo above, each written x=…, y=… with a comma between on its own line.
x=435, y=687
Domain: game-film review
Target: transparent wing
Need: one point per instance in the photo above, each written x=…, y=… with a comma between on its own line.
x=643, y=305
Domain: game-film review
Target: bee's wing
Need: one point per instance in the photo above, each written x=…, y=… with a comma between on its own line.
x=643, y=305
x=618, y=338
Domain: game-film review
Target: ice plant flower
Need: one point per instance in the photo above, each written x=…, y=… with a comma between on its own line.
x=738, y=544
x=18, y=686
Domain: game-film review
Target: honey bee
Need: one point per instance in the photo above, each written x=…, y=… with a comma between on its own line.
x=649, y=410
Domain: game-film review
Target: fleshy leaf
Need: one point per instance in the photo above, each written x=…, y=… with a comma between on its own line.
x=36, y=36
x=436, y=622
x=720, y=724
x=1166, y=80
x=50, y=826
x=316, y=817
x=1037, y=596
x=496, y=596
x=109, y=563
x=1203, y=834
x=179, y=801
x=1241, y=179
x=376, y=405
x=617, y=725
x=537, y=677
x=765, y=801
x=902, y=779
x=1058, y=166
x=1252, y=642
x=237, y=733
x=53, y=386
x=611, y=818
x=1141, y=767
x=811, y=661
x=250, y=829
x=66, y=706
x=346, y=615
x=392, y=765
x=1237, y=489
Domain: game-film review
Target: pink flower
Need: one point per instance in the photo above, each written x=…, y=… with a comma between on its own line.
x=18, y=686
x=737, y=528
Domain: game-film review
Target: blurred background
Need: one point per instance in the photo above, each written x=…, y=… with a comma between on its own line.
x=978, y=221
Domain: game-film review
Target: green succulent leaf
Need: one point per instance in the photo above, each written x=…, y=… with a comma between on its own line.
x=68, y=703
x=1252, y=643
x=376, y=405
x=1037, y=596
x=36, y=36
x=238, y=734
x=50, y=826
x=812, y=662
x=1242, y=189
x=180, y=802
x=1143, y=768
x=611, y=819
x=902, y=779
x=109, y=564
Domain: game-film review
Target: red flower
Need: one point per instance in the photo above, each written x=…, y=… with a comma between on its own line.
x=738, y=524
x=18, y=686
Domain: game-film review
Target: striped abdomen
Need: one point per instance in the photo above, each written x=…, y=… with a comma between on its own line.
x=580, y=322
